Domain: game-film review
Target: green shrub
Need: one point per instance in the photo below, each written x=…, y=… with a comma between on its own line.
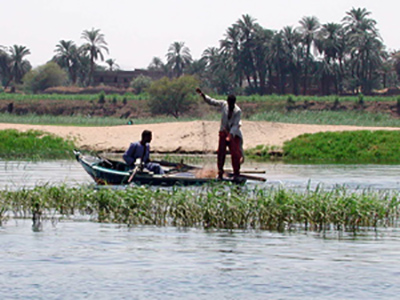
x=140, y=83
x=360, y=98
x=172, y=97
x=102, y=98
x=44, y=77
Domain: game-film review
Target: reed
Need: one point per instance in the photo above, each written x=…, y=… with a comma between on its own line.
x=213, y=206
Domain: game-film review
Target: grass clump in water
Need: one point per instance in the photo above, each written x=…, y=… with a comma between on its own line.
x=374, y=147
x=214, y=206
x=33, y=145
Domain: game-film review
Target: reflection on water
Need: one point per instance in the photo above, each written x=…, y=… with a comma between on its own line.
x=28, y=174
x=15, y=174
x=75, y=260
x=351, y=176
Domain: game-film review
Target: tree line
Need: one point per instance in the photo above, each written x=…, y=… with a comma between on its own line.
x=78, y=62
x=331, y=58
x=312, y=58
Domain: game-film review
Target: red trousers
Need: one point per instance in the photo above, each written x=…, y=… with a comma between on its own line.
x=235, y=149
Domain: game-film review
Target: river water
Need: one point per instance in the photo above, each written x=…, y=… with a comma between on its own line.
x=87, y=260
x=17, y=174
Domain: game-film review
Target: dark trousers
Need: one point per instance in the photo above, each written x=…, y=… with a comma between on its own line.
x=235, y=149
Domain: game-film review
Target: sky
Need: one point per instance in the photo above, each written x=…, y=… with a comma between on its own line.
x=137, y=31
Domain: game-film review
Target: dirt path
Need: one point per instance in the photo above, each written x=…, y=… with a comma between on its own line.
x=196, y=136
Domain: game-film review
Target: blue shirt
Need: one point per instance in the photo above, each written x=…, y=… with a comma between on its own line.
x=135, y=151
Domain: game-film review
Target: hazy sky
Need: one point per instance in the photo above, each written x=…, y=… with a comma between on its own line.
x=137, y=31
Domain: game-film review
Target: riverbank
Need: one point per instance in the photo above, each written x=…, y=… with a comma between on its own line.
x=182, y=137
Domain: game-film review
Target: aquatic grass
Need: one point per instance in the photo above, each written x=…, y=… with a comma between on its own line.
x=214, y=207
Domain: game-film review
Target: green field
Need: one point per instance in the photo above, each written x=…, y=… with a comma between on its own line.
x=240, y=99
x=82, y=120
x=83, y=97
x=353, y=118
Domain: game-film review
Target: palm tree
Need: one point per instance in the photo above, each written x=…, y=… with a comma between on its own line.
x=291, y=39
x=4, y=66
x=111, y=64
x=396, y=62
x=18, y=65
x=356, y=20
x=248, y=27
x=178, y=57
x=367, y=53
x=157, y=65
x=366, y=49
x=230, y=47
x=67, y=57
x=219, y=71
x=239, y=46
x=94, y=47
x=277, y=58
x=329, y=43
x=308, y=28
x=84, y=66
x=262, y=41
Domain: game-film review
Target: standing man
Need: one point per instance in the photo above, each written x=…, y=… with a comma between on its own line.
x=229, y=133
x=141, y=150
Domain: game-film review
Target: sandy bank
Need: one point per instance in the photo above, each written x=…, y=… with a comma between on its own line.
x=196, y=136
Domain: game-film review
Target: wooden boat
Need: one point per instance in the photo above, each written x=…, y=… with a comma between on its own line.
x=111, y=172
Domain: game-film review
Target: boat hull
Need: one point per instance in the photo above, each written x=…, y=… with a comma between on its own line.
x=108, y=172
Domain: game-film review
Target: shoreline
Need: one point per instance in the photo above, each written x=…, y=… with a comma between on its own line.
x=182, y=137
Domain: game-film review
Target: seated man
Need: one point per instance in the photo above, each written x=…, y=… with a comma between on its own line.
x=141, y=150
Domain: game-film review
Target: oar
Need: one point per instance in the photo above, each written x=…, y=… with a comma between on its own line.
x=175, y=165
x=255, y=171
x=134, y=171
x=250, y=177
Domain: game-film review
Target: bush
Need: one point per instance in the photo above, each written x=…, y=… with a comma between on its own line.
x=172, y=97
x=140, y=83
x=43, y=77
x=102, y=98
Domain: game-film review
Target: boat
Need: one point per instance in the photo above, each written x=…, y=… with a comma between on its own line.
x=106, y=171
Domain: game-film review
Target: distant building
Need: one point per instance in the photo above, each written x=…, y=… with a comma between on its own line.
x=122, y=78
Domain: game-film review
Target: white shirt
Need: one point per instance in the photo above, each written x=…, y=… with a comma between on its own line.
x=231, y=125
